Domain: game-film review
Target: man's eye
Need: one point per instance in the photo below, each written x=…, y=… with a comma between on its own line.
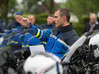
x=55, y=16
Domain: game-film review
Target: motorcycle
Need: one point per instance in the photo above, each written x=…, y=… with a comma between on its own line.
x=83, y=57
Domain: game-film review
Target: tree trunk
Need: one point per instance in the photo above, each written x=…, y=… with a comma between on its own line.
x=51, y=6
x=4, y=9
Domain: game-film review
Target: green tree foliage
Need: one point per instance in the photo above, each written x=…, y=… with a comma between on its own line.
x=4, y=8
x=50, y=5
x=12, y=4
x=34, y=6
x=83, y=7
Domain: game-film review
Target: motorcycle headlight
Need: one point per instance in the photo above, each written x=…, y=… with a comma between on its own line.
x=96, y=53
x=42, y=63
x=94, y=42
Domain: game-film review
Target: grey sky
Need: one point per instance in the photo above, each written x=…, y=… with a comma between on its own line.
x=58, y=1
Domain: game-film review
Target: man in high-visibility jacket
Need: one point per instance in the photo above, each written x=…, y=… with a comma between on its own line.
x=57, y=42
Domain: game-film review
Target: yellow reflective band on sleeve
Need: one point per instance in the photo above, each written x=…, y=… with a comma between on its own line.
x=38, y=33
x=14, y=42
x=43, y=42
x=25, y=46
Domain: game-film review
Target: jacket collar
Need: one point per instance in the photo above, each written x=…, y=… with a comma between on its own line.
x=95, y=23
x=65, y=29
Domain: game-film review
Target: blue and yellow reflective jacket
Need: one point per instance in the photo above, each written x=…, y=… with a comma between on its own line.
x=24, y=39
x=54, y=44
x=29, y=40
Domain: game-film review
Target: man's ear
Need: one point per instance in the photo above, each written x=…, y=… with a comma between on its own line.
x=64, y=17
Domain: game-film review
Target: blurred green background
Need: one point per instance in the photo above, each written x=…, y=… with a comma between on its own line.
x=79, y=9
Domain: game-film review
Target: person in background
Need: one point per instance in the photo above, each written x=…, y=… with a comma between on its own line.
x=50, y=23
x=15, y=24
x=93, y=23
x=29, y=39
x=23, y=37
x=11, y=31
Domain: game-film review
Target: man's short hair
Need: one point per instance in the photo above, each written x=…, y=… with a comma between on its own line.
x=65, y=12
x=91, y=14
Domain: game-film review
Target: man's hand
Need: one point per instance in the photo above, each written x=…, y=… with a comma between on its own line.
x=23, y=21
x=31, y=19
